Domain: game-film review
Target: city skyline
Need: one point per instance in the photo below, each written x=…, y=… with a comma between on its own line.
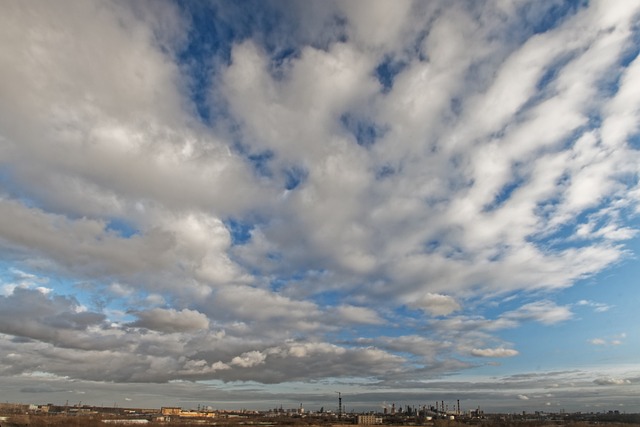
x=268, y=202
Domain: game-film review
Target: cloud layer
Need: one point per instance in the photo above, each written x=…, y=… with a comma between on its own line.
x=336, y=190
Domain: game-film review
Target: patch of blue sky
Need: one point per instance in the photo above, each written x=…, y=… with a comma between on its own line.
x=439, y=245
x=384, y=171
x=387, y=71
x=554, y=346
x=454, y=252
x=543, y=346
x=492, y=309
x=564, y=236
x=540, y=348
x=261, y=163
x=215, y=27
x=561, y=238
x=240, y=230
x=209, y=42
x=540, y=17
x=359, y=336
x=330, y=298
x=531, y=18
x=87, y=294
x=432, y=246
x=630, y=180
x=122, y=227
x=85, y=290
x=283, y=281
x=280, y=61
x=12, y=274
x=615, y=288
x=404, y=317
x=11, y=188
x=294, y=176
x=609, y=84
x=258, y=160
x=365, y=131
x=634, y=141
x=632, y=50
x=549, y=76
x=387, y=329
x=504, y=194
x=10, y=277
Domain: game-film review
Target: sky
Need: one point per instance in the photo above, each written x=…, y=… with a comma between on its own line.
x=262, y=203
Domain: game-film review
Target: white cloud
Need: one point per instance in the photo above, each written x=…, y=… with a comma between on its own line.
x=260, y=305
x=362, y=315
x=597, y=306
x=171, y=320
x=610, y=341
x=494, y=352
x=249, y=359
x=546, y=312
x=120, y=289
x=378, y=23
x=436, y=304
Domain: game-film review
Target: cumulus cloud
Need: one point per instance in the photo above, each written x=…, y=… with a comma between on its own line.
x=171, y=320
x=355, y=314
x=249, y=359
x=54, y=319
x=436, y=304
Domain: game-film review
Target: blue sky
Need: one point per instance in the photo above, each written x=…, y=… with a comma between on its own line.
x=255, y=204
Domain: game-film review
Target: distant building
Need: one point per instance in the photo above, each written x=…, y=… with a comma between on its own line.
x=174, y=411
x=368, y=420
x=170, y=410
x=197, y=414
x=38, y=408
